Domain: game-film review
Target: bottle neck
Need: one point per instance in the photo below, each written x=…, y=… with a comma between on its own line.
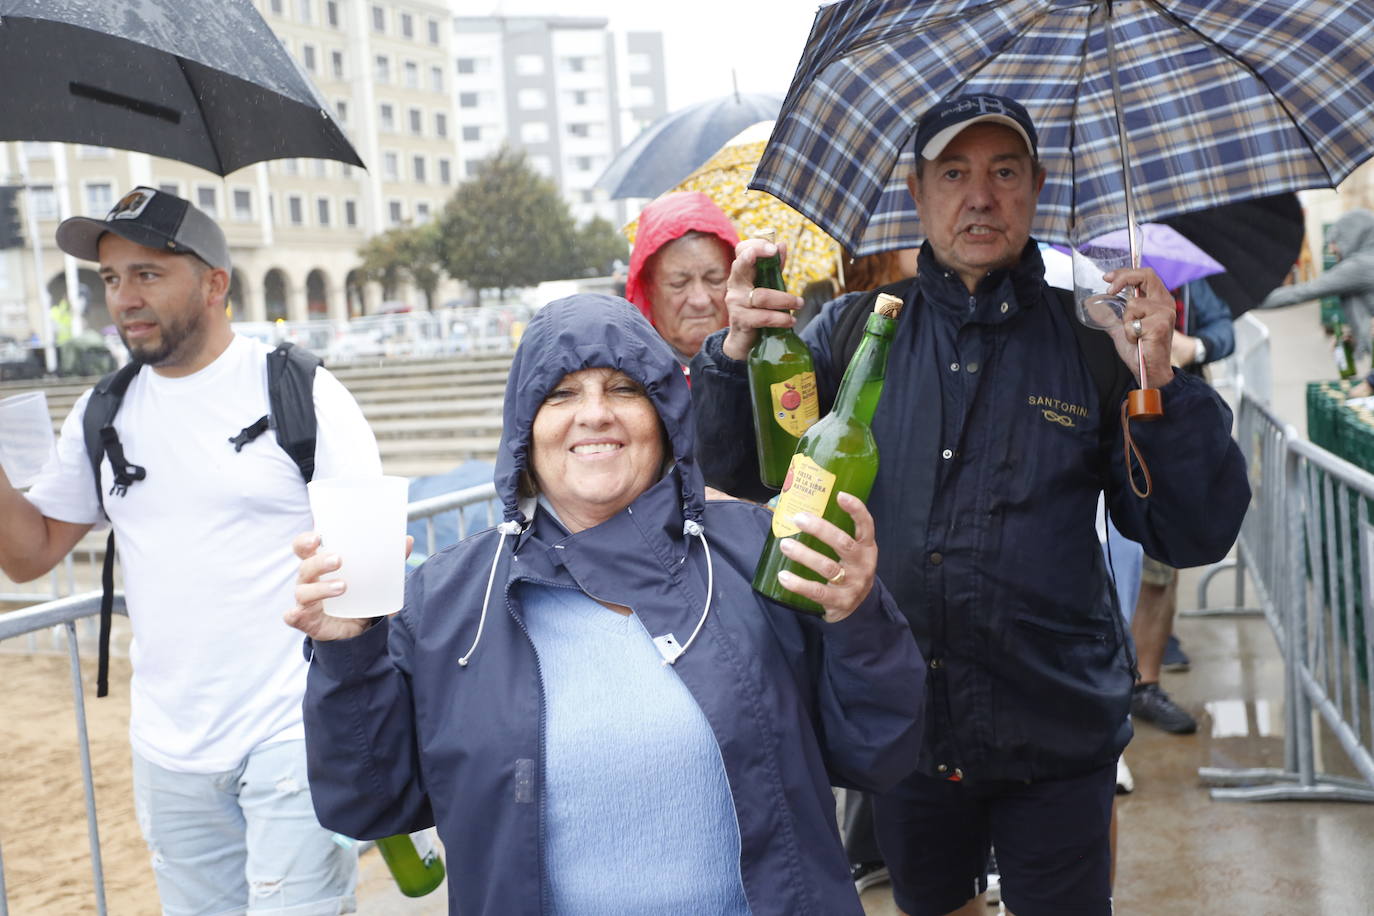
x=863, y=379
x=768, y=275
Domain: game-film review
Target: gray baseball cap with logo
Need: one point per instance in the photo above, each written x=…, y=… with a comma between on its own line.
x=154, y=219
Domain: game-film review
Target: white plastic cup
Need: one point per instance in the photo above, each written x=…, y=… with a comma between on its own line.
x=363, y=520
x=26, y=439
x=1100, y=245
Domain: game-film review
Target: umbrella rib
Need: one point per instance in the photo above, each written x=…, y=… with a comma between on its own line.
x=1187, y=27
x=214, y=148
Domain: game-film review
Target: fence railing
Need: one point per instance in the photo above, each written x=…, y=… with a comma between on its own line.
x=464, y=510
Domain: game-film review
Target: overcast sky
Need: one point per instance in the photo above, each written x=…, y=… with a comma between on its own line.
x=703, y=39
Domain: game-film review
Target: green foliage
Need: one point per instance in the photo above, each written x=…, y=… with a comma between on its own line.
x=404, y=254
x=597, y=244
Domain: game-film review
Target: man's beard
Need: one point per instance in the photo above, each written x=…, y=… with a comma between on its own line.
x=175, y=337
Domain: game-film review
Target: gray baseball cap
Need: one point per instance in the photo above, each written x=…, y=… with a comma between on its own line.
x=151, y=218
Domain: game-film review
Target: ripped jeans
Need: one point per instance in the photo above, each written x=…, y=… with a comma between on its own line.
x=242, y=841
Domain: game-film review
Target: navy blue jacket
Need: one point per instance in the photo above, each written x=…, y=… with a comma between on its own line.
x=994, y=449
x=400, y=735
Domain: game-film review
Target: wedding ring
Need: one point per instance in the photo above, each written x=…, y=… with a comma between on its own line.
x=1137, y=329
x=752, y=290
x=837, y=578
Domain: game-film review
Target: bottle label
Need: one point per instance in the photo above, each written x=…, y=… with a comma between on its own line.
x=424, y=847
x=795, y=404
x=1344, y=366
x=806, y=488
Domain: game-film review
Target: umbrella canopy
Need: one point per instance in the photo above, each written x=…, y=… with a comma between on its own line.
x=1221, y=101
x=203, y=83
x=1168, y=253
x=1256, y=241
x=669, y=149
x=811, y=254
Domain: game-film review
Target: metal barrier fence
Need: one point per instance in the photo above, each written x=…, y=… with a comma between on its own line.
x=1308, y=542
x=474, y=504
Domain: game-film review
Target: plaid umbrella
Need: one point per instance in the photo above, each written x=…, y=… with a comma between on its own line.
x=1221, y=100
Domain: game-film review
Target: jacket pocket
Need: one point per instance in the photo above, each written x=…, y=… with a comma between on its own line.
x=1066, y=631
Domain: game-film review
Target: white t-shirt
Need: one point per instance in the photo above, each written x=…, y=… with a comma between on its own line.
x=205, y=544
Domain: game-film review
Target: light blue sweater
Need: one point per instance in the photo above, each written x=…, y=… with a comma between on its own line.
x=639, y=818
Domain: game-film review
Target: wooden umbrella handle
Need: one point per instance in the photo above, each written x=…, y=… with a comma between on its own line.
x=1143, y=403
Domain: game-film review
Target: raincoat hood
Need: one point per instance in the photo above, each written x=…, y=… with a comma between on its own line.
x=593, y=331
x=1353, y=233
x=670, y=217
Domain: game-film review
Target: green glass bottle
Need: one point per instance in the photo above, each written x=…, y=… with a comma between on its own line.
x=782, y=384
x=414, y=862
x=1344, y=353
x=837, y=454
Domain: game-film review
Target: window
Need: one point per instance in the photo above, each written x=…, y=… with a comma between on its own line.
x=579, y=96
x=532, y=99
x=243, y=204
x=445, y=171
x=472, y=133
x=467, y=65
x=341, y=109
x=391, y=166
x=467, y=100
x=422, y=212
x=207, y=198
x=534, y=132
x=529, y=65
x=351, y=214
x=407, y=25
x=433, y=31
x=582, y=163
x=331, y=13
x=417, y=121
x=470, y=168
x=35, y=150
x=388, y=117
x=436, y=79
x=417, y=169
x=579, y=130
x=383, y=69
x=290, y=166
x=411, y=72
x=43, y=200
x=295, y=210
x=308, y=57
x=169, y=187
x=321, y=168
x=588, y=196
x=440, y=124
x=93, y=152
x=393, y=212
x=276, y=6
x=378, y=19
x=574, y=64
x=336, y=64
x=304, y=11
x=322, y=214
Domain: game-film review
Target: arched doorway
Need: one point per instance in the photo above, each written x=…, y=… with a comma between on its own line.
x=353, y=293
x=316, y=294
x=237, y=302
x=90, y=291
x=274, y=294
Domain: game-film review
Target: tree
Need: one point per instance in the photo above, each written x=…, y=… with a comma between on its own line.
x=404, y=254
x=506, y=226
x=596, y=245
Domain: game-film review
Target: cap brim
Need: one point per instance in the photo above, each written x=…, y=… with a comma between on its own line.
x=79, y=236
x=936, y=144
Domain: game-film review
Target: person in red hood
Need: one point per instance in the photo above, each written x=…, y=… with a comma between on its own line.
x=679, y=266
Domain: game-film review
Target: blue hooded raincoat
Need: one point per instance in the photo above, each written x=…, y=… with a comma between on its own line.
x=402, y=735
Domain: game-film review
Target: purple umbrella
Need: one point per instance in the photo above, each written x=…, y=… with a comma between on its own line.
x=1173, y=257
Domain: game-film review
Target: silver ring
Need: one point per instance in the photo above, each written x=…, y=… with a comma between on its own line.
x=1137, y=329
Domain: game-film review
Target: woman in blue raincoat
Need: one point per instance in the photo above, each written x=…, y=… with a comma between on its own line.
x=589, y=700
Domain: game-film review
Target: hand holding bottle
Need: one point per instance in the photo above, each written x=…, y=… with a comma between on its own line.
x=308, y=615
x=752, y=308
x=849, y=578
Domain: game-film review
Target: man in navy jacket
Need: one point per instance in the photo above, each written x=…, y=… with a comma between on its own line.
x=996, y=439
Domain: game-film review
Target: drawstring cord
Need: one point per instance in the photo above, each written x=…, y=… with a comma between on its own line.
x=689, y=528
x=506, y=528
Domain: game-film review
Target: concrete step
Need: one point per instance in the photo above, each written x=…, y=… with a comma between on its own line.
x=458, y=447
x=437, y=427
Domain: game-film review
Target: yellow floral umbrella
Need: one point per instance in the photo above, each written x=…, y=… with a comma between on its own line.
x=811, y=254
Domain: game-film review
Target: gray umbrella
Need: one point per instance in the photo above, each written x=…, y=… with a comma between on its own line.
x=205, y=83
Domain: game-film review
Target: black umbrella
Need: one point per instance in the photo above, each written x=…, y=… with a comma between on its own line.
x=199, y=82
x=1257, y=241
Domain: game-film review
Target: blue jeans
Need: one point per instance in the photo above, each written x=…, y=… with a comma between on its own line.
x=242, y=841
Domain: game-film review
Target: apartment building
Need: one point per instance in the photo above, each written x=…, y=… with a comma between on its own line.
x=422, y=93
x=564, y=89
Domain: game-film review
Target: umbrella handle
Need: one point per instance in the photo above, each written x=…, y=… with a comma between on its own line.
x=1143, y=403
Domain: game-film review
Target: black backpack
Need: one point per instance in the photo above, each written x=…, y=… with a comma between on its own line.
x=291, y=412
x=1110, y=376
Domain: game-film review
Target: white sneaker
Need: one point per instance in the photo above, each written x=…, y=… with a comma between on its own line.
x=1125, y=782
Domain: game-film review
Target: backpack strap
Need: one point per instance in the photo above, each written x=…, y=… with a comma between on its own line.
x=291, y=403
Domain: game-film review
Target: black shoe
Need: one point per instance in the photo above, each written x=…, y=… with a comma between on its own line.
x=868, y=874
x=1150, y=703
x=1174, y=657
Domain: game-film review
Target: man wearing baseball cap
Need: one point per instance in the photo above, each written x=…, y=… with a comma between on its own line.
x=204, y=530
x=999, y=425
